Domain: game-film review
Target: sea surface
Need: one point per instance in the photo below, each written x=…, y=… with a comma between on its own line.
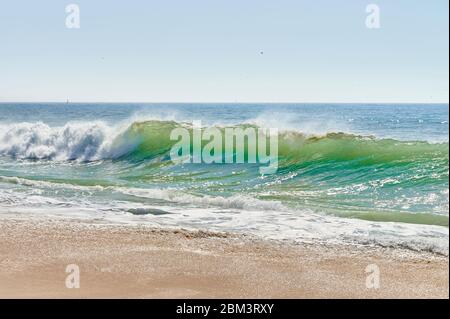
x=365, y=174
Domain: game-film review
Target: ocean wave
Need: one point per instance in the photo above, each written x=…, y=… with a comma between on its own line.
x=232, y=202
x=239, y=213
x=93, y=141
x=74, y=141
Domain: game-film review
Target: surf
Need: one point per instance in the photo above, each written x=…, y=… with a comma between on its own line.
x=339, y=173
x=323, y=180
x=140, y=140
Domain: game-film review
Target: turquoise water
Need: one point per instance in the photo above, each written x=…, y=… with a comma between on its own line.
x=360, y=173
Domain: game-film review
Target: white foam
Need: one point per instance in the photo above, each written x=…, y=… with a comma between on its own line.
x=239, y=213
x=232, y=202
x=74, y=141
x=39, y=141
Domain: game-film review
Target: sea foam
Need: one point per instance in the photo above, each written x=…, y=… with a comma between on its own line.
x=73, y=141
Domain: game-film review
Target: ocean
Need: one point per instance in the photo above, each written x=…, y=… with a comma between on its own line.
x=363, y=174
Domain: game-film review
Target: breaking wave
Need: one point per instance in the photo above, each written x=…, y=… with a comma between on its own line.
x=142, y=140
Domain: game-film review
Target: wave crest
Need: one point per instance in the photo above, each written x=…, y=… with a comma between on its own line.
x=140, y=140
x=40, y=141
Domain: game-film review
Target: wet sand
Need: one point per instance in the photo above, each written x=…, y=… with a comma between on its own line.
x=124, y=261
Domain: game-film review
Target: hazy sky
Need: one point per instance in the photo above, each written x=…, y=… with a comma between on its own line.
x=210, y=50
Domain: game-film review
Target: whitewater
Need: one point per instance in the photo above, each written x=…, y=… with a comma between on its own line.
x=352, y=174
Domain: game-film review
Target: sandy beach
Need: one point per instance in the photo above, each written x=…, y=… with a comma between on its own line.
x=122, y=261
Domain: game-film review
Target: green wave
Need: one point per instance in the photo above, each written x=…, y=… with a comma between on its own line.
x=337, y=173
x=152, y=139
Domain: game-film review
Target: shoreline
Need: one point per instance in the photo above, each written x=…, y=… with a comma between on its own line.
x=137, y=261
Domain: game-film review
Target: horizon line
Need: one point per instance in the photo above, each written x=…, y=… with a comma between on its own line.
x=223, y=102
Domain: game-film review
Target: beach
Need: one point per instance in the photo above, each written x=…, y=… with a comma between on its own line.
x=136, y=261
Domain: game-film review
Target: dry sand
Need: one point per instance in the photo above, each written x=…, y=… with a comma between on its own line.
x=118, y=261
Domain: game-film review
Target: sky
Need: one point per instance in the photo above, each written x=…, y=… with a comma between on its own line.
x=225, y=51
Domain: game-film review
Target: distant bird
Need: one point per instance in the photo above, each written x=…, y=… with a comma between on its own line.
x=261, y=52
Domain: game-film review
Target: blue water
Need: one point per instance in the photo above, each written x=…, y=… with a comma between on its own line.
x=364, y=173
x=401, y=121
